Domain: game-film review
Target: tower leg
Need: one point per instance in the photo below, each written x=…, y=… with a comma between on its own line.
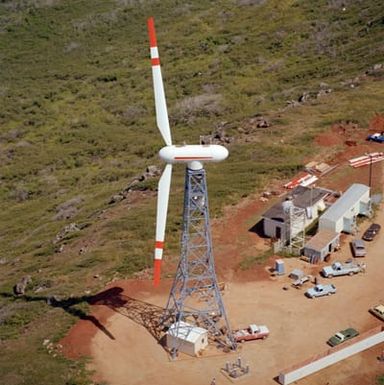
x=195, y=296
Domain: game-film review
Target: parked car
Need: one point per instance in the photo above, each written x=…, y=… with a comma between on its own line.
x=371, y=232
x=378, y=311
x=320, y=290
x=358, y=248
x=376, y=137
x=252, y=332
x=342, y=336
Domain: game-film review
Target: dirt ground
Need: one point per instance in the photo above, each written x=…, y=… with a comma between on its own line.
x=124, y=349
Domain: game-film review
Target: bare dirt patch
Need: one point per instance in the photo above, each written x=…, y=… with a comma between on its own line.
x=377, y=123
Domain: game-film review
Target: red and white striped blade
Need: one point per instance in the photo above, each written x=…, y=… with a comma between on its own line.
x=160, y=103
x=162, y=209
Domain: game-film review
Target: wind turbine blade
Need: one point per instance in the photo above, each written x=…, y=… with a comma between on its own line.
x=160, y=103
x=162, y=209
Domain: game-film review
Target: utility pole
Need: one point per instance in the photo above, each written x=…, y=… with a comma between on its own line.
x=370, y=174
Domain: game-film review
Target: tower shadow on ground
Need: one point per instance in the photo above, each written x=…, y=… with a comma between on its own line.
x=140, y=312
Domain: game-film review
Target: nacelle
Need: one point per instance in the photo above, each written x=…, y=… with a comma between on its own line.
x=191, y=153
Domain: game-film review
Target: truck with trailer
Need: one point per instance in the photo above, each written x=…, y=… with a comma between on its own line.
x=338, y=268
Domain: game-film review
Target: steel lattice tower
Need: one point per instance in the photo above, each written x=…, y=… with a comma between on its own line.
x=195, y=296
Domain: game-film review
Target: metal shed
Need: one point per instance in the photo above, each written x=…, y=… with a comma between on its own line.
x=186, y=338
x=322, y=244
x=341, y=216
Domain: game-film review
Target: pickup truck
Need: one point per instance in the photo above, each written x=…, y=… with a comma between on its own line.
x=320, y=290
x=338, y=268
x=252, y=332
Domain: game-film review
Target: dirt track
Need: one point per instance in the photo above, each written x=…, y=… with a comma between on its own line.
x=125, y=352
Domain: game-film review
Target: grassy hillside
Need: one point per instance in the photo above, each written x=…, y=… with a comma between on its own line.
x=77, y=125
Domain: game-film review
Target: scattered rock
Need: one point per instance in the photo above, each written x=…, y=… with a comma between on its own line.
x=46, y=342
x=224, y=48
x=352, y=83
x=69, y=229
x=218, y=136
x=68, y=209
x=68, y=213
x=262, y=123
x=19, y=288
x=250, y=2
x=323, y=92
x=3, y=261
x=116, y=198
x=150, y=172
x=132, y=184
x=377, y=69
x=249, y=125
x=304, y=97
x=60, y=249
x=153, y=171
x=292, y=104
x=20, y=194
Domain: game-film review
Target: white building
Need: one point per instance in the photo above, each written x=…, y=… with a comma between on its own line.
x=186, y=338
x=341, y=216
x=276, y=219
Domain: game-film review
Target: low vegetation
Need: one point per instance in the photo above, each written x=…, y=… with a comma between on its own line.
x=77, y=126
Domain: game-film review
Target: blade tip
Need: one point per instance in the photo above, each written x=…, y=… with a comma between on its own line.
x=156, y=272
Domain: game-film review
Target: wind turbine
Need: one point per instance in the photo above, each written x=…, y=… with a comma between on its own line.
x=195, y=296
x=191, y=155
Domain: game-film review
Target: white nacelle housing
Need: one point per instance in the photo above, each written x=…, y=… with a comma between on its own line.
x=190, y=153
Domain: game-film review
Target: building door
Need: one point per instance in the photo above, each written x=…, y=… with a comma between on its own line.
x=278, y=232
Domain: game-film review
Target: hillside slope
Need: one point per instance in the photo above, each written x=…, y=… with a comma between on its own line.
x=77, y=126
